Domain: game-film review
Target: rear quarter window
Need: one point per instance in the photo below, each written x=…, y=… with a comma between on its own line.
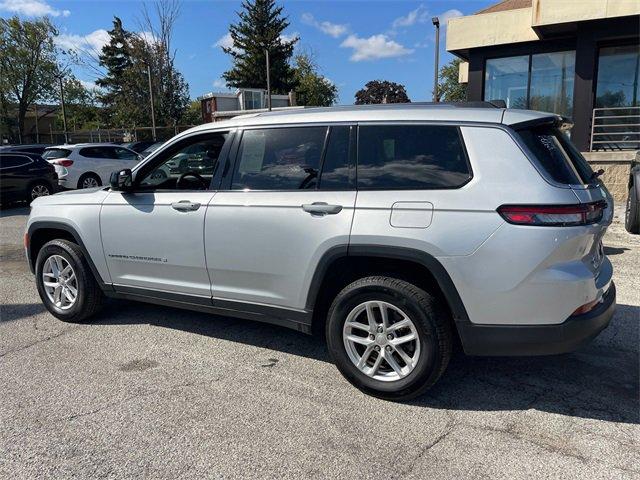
x=53, y=153
x=556, y=155
x=397, y=157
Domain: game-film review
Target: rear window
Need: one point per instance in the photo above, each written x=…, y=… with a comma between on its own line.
x=53, y=153
x=394, y=157
x=555, y=153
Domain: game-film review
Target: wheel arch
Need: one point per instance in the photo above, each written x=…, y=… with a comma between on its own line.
x=341, y=265
x=41, y=232
x=85, y=174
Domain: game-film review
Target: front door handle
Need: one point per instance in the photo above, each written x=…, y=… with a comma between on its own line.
x=321, y=208
x=185, y=206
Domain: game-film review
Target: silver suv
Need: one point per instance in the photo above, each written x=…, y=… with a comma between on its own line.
x=397, y=230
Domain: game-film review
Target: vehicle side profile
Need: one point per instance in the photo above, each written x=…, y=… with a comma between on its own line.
x=25, y=176
x=88, y=165
x=397, y=230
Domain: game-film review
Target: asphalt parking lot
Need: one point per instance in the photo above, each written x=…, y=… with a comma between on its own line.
x=163, y=393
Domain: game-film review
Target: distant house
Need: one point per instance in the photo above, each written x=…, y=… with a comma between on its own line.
x=218, y=106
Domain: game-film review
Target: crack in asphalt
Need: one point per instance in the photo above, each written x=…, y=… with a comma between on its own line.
x=42, y=340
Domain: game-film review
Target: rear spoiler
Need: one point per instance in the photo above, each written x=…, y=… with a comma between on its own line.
x=558, y=121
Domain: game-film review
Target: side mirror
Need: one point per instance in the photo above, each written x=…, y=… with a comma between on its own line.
x=121, y=180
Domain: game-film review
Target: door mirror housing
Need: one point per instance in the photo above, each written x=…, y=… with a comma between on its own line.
x=122, y=180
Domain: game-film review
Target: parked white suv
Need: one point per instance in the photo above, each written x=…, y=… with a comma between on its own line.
x=398, y=230
x=88, y=165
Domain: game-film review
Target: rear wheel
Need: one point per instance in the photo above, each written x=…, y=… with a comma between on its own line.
x=65, y=282
x=388, y=337
x=89, y=180
x=632, y=214
x=38, y=189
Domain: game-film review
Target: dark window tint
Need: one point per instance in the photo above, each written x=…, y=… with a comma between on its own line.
x=124, y=154
x=556, y=155
x=13, y=161
x=95, y=152
x=337, y=171
x=53, y=153
x=411, y=156
x=279, y=159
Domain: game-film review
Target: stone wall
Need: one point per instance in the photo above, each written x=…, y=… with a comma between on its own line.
x=616, y=166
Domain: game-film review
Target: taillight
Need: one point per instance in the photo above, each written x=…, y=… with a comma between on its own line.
x=553, y=215
x=63, y=162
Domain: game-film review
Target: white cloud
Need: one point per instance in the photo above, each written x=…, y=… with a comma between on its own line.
x=89, y=85
x=224, y=42
x=419, y=15
x=220, y=83
x=93, y=42
x=32, y=8
x=146, y=36
x=374, y=47
x=288, y=37
x=448, y=15
x=335, y=30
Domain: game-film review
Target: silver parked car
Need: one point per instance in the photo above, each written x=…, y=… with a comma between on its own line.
x=396, y=229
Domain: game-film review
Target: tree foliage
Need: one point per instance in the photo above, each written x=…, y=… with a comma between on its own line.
x=126, y=60
x=312, y=88
x=260, y=27
x=28, y=65
x=449, y=89
x=382, y=91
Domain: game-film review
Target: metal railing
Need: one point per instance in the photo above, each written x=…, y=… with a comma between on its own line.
x=615, y=128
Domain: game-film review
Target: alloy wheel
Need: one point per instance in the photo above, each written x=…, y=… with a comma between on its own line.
x=381, y=341
x=60, y=282
x=90, y=182
x=39, y=191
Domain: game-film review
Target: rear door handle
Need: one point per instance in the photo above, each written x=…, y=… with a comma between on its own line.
x=185, y=206
x=321, y=208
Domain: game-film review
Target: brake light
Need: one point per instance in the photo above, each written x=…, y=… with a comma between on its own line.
x=553, y=215
x=63, y=162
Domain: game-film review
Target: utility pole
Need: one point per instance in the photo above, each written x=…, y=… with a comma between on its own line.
x=153, y=114
x=64, y=112
x=436, y=67
x=268, y=80
x=35, y=106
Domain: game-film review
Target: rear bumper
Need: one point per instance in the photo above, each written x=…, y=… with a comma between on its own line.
x=522, y=340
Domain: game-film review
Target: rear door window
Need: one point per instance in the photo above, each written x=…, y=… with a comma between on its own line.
x=338, y=171
x=13, y=161
x=397, y=157
x=54, y=153
x=279, y=159
x=556, y=155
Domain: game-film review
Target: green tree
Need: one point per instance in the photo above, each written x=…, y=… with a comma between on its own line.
x=312, y=88
x=449, y=89
x=193, y=114
x=382, y=91
x=81, y=105
x=119, y=107
x=28, y=66
x=260, y=27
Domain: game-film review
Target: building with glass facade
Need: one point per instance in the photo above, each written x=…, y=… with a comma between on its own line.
x=580, y=59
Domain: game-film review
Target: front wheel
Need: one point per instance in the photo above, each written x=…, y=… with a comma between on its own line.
x=632, y=213
x=65, y=282
x=388, y=337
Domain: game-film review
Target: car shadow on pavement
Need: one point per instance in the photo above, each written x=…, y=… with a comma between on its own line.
x=14, y=210
x=16, y=311
x=599, y=381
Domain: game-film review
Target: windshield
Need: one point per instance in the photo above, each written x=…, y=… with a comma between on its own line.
x=53, y=153
x=555, y=153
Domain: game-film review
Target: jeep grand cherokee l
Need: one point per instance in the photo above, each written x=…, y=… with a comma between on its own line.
x=397, y=229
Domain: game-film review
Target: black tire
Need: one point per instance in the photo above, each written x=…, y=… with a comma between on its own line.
x=87, y=176
x=89, y=298
x=632, y=214
x=433, y=325
x=37, y=189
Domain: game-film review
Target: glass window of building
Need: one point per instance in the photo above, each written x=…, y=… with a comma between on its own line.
x=618, y=72
x=507, y=79
x=551, y=88
x=541, y=82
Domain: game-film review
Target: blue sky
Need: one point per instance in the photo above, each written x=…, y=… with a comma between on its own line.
x=353, y=41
